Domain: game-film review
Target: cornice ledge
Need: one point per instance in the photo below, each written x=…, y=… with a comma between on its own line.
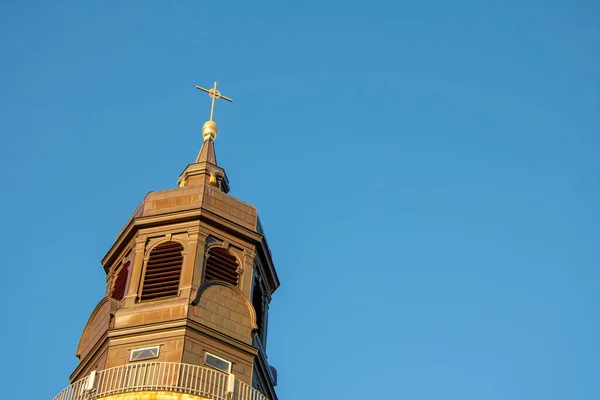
x=265, y=254
x=156, y=327
x=177, y=217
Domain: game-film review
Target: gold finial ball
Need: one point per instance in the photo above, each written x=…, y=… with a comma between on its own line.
x=209, y=130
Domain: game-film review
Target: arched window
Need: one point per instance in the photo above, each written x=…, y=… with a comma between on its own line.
x=221, y=265
x=163, y=271
x=118, y=291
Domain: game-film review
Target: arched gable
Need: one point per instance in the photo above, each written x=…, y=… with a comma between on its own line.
x=225, y=308
x=98, y=324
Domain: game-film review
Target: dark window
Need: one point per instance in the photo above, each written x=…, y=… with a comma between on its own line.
x=163, y=271
x=118, y=291
x=221, y=265
x=257, y=302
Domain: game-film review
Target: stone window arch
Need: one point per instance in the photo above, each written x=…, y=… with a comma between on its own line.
x=163, y=271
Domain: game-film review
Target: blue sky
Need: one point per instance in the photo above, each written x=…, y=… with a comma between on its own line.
x=427, y=174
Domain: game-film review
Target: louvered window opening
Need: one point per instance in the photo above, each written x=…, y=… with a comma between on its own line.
x=221, y=265
x=163, y=271
x=118, y=291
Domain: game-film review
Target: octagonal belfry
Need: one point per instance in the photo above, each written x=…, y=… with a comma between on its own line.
x=189, y=280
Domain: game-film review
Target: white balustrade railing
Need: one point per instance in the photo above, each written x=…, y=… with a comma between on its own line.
x=173, y=377
x=243, y=391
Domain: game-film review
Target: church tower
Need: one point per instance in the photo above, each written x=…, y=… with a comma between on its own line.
x=189, y=280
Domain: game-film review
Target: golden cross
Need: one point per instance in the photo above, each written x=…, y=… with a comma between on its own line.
x=214, y=95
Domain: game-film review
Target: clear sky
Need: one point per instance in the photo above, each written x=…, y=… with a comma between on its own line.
x=427, y=174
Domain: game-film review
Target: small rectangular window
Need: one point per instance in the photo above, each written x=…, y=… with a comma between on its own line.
x=144, y=354
x=217, y=363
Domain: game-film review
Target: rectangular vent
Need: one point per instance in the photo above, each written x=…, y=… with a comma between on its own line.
x=217, y=363
x=145, y=353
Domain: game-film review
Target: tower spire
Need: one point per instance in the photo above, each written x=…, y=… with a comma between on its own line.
x=205, y=169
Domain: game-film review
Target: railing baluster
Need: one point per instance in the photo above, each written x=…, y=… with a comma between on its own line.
x=187, y=377
x=208, y=381
x=108, y=384
x=111, y=383
x=155, y=376
x=169, y=375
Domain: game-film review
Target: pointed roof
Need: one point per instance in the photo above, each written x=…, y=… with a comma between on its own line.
x=207, y=152
x=205, y=170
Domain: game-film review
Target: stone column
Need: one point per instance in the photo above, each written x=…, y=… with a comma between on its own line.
x=247, y=272
x=189, y=266
x=136, y=272
x=197, y=239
